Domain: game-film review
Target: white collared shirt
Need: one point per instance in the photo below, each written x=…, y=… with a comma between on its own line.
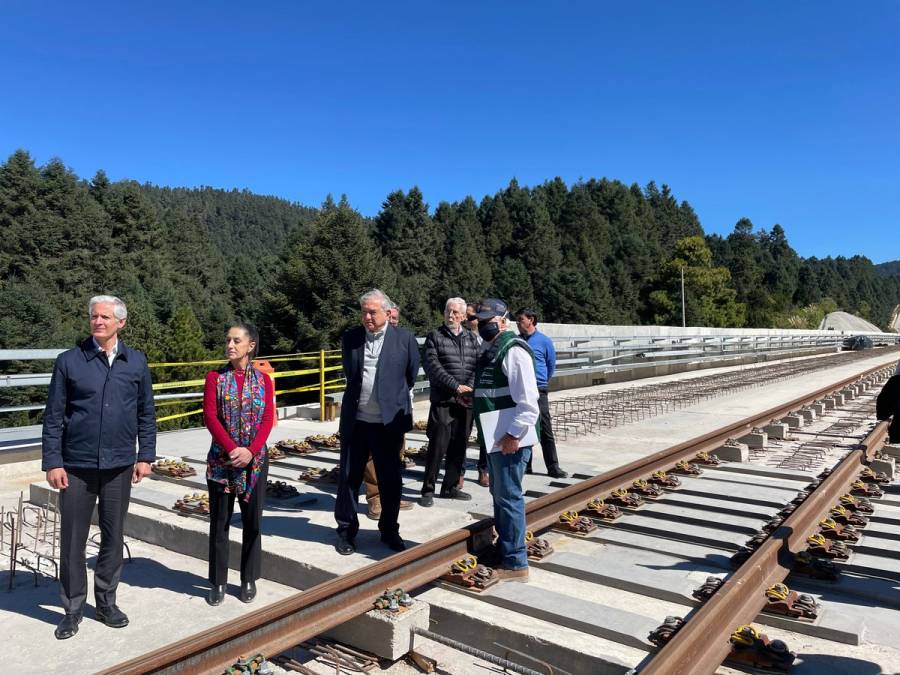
x=110, y=355
x=519, y=370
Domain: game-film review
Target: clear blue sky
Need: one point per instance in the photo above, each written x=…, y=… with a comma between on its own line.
x=782, y=112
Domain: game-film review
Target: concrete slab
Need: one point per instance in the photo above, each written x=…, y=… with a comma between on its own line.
x=635, y=571
x=872, y=564
x=667, y=578
x=879, y=546
x=298, y=541
x=730, y=522
x=603, y=621
x=466, y=618
x=737, y=492
x=754, y=479
x=803, y=477
x=695, y=534
x=712, y=556
x=722, y=505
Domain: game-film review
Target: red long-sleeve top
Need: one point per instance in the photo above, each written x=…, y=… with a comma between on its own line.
x=211, y=412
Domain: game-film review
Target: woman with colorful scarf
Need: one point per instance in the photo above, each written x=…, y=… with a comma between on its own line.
x=238, y=410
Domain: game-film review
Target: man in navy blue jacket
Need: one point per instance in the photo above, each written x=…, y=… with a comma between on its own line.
x=100, y=401
x=380, y=362
x=544, y=366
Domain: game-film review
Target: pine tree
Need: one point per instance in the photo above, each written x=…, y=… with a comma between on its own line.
x=316, y=294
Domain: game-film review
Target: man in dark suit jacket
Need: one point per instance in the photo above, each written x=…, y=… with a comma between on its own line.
x=380, y=363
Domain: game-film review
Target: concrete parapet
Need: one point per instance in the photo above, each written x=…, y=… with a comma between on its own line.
x=776, y=430
x=733, y=452
x=386, y=634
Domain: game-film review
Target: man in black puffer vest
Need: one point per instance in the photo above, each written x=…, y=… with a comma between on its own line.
x=887, y=406
x=450, y=355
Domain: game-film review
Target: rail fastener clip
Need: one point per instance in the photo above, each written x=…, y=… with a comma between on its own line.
x=751, y=648
x=782, y=600
x=572, y=523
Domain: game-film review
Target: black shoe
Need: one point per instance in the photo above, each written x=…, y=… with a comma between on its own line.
x=67, y=627
x=248, y=591
x=112, y=616
x=557, y=473
x=457, y=494
x=345, y=545
x=426, y=500
x=393, y=542
x=216, y=595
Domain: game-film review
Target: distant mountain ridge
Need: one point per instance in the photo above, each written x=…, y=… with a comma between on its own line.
x=888, y=269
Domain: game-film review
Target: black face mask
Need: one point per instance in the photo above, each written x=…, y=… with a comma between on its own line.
x=488, y=329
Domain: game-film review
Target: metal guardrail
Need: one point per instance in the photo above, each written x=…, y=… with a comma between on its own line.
x=576, y=354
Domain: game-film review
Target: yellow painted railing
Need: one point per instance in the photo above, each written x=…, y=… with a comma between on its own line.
x=321, y=384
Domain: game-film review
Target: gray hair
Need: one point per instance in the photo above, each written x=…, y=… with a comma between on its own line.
x=119, y=309
x=376, y=294
x=454, y=301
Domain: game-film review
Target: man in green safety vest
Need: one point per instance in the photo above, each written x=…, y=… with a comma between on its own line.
x=505, y=403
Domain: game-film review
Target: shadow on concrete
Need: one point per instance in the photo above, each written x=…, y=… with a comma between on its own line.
x=711, y=562
x=30, y=600
x=830, y=664
x=148, y=573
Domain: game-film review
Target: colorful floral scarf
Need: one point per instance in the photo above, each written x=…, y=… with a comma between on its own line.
x=241, y=416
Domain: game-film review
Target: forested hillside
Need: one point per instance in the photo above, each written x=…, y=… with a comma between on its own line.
x=187, y=261
x=889, y=269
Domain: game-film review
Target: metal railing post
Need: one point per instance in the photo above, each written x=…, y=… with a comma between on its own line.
x=321, y=385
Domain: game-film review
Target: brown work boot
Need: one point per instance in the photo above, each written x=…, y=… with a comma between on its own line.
x=405, y=505
x=483, y=479
x=374, y=512
x=505, y=574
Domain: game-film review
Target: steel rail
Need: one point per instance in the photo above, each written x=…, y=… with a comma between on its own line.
x=288, y=622
x=702, y=644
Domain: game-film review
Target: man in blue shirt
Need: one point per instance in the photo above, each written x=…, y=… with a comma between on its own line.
x=544, y=366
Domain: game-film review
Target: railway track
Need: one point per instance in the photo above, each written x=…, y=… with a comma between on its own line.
x=700, y=646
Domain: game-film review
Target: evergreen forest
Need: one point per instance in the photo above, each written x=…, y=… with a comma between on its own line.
x=189, y=261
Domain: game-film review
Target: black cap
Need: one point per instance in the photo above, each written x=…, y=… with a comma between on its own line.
x=491, y=307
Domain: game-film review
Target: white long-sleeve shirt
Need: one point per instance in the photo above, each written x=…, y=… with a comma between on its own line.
x=519, y=370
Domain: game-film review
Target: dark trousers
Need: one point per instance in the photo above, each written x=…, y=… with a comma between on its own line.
x=384, y=446
x=112, y=489
x=221, y=508
x=449, y=426
x=548, y=441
